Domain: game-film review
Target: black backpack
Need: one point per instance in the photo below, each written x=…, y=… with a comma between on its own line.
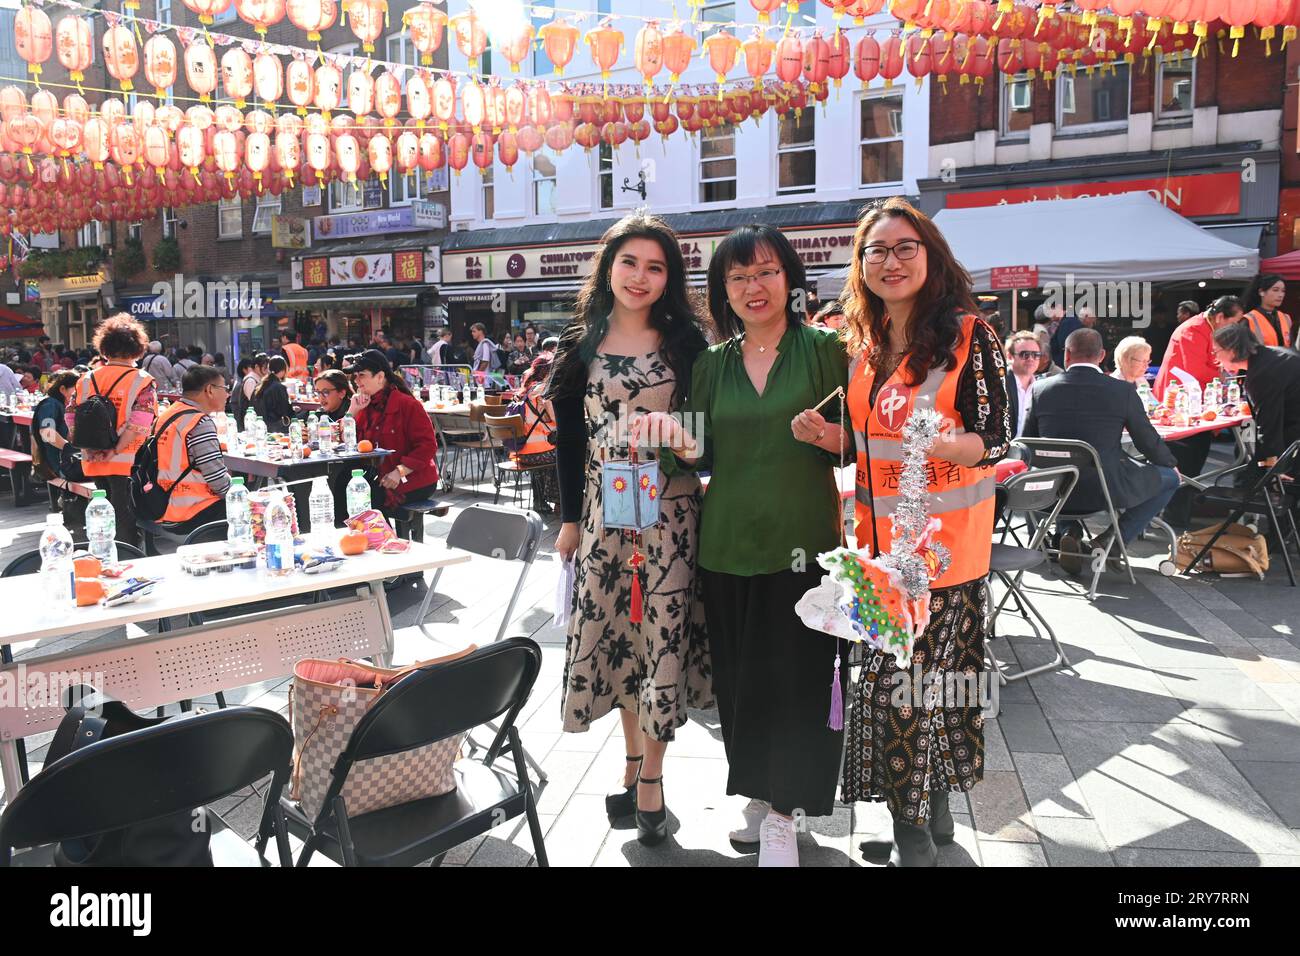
x=148, y=495
x=94, y=421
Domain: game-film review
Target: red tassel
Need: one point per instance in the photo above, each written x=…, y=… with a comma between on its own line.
x=636, y=595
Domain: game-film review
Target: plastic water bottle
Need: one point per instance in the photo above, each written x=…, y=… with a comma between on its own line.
x=56, y=561
x=279, y=538
x=1213, y=395
x=349, y=434
x=312, y=419
x=358, y=493
x=250, y=420
x=101, y=528
x=239, y=516
x=259, y=437
x=295, y=441
x=1194, y=399
x=1144, y=393
x=325, y=435
x=1234, y=392
x=1181, y=405
x=320, y=506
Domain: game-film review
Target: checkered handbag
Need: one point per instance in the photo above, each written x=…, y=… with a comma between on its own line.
x=326, y=702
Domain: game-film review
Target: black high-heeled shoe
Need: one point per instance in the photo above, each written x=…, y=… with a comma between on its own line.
x=619, y=805
x=652, y=825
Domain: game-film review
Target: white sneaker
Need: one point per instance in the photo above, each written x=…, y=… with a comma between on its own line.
x=776, y=842
x=754, y=813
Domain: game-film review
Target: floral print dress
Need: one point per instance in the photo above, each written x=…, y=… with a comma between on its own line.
x=658, y=668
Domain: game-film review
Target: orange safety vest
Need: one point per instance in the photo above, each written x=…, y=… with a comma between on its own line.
x=537, y=428
x=961, y=497
x=1263, y=328
x=123, y=395
x=297, y=356
x=191, y=493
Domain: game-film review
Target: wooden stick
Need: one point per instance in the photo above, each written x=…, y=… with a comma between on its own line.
x=838, y=391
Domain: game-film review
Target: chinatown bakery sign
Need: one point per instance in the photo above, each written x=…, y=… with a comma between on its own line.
x=818, y=248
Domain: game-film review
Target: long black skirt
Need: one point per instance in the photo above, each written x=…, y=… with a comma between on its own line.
x=772, y=677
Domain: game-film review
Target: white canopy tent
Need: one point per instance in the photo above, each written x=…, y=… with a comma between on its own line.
x=1127, y=237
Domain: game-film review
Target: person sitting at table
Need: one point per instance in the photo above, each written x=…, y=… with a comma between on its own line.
x=334, y=392
x=190, y=461
x=30, y=381
x=389, y=416
x=271, y=398
x=1023, y=356
x=1046, y=367
x=54, y=456
x=8, y=380
x=1273, y=383
x=1088, y=405
x=1132, y=359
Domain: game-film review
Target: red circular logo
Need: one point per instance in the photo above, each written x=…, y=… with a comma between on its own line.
x=892, y=405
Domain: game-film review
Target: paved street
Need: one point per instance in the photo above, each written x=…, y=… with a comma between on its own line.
x=1173, y=740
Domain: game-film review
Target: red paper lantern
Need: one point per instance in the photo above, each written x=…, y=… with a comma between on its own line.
x=261, y=14
x=515, y=45
x=33, y=37
x=444, y=101
x=432, y=154
x=426, y=23
x=615, y=134
x=121, y=55
x=366, y=18
x=678, y=49
x=816, y=60
x=539, y=110
x=508, y=150
x=634, y=108
x=721, y=48
x=329, y=88
x=458, y=152
x=529, y=139
x=314, y=16
x=160, y=63
x=789, y=59
x=891, y=58
x=191, y=146
x=300, y=84
x=494, y=108
x=473, y=105
x=649, y=51
x=287, y=153
x=667, y=126
x=13, y=102
x=347, y=153
x=237, y=75
x=765, y=8
x=559, y=39
x=471, y=36
x=380, y=153
x=758, y=51
x=406, y=152
x=587, y=135
x=559, y=137
x=866, y=61
x=201, y=69
x=74, y=41
x=419, y=97
x=516, y=107
x=268, y=78
x=605, y=43
x=388, y=96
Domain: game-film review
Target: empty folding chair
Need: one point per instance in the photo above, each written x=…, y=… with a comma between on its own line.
x=428, y=705
x=145, y=775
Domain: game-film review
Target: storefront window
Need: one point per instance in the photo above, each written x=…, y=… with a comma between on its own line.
x=1096, y=100
x=880, y=138
x=543, y=185
x=718, y=164
x=1175, y=87
x=1017, y=105
x=796, y=156
x=605, y=170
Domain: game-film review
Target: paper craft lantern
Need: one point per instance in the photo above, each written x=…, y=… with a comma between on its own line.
x=866, y=61
x=559, y=39
x=329, y=88
x=268, y=78
x=789, y=59
x=472, y=104
x=201, y=69
x=840, y=59
x=121, y=55
x=605, y=43
x=758, y=51
x=516, y=107
x=261, y=14
x=471, y=36
x=237, y=75
x=406, y=152
x=33, y=37
x=347, y=153
x=426, y=24
x=721, y=49
x=678, y=49
x=388, y=96
x=366, y=18
x=380, y=153
x=160, y=63
x=74, y=41
x=207, y=10
x=300, y=84
x=419, y=97
x=649, y=52
x=816, y=60
x=458, y=152
x=314, y=16
x=515, y=45
x=432, y=154
x=630, y=494
x=765, y=8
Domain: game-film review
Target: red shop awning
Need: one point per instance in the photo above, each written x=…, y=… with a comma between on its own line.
x=15, y=325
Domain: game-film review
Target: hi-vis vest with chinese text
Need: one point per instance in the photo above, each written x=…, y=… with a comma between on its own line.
x=961, y=497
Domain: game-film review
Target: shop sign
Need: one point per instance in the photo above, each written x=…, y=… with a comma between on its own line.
x=32, y=290
x=429, y=215
x=1013, y=277
x=816, y=248
x=408, y=266
x=1209, y=194
x=375, y=222
x=404, y=267
x=315, y=273
x=144, y=307
x=311, y=196
x=372, y=195
x=365, y=269
x=290, y=232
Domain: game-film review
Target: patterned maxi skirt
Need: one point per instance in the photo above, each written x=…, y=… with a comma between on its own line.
x=908, y=737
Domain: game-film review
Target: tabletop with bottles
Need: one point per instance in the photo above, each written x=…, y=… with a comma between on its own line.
x=1186, y=410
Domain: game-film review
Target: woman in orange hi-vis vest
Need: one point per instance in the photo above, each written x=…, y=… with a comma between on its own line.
x=1262, y=302
x=122, y=341
x=914, y=340
x=295, y=355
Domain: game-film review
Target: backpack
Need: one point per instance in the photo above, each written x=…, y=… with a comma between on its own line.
x=94, y=421
x=148, y=496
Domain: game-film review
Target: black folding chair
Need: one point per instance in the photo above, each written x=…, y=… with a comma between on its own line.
x=1041, y=492
x=149, y=774
x=432, y=704
x=1269, y=495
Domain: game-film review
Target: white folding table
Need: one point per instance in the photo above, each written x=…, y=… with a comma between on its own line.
x=156, y=669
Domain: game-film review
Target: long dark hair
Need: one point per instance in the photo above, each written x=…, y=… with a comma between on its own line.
x=673, y=316
x=742, y=248
x=277, y=365
x=1251, y=296
x=936, y=317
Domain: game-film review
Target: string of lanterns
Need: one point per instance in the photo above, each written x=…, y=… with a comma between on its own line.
x=63, y=163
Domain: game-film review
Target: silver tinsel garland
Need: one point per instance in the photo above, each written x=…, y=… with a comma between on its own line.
x=911, y=519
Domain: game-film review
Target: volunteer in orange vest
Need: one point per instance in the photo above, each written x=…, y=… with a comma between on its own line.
x=122, y=341
x=914, y=340
x=295, y=355
x=1263, y=304
x=190, y=461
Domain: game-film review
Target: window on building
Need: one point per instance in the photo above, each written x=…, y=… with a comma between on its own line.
x=230, y=218
x=796, y=156
x=91, y=234
x=1175, y=87
x=163, y=11
x=1017, y=105
x=604, y=6
x=880, y=139
x=267, y=206
x=400, y=50
x=714, y=12
x=226, y=16
x=489, y=196
x=543, y=185
x=135, y=230
x=1090, y=101
x=403, y=190
x=346, y=197
x=605, y=175
x=169, y=223
x=718, y=164
x=806, y=16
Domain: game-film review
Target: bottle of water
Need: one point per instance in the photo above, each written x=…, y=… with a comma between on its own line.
x=1144, y=393
x=349, y=434
x=259, y=437
x=56, y=561
x=279, y=538
x=239, y=516
x=320, y=507
x=295, y=441
x=325, y=435
x=312, y=419
x=1213, y=393
x=101, y=528
x=1181, y=404
x=1234, y=393
x=1194, y=402
x=250, y=420
x=358, y=493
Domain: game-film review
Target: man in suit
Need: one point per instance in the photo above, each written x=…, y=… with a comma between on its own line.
x=1086, y=404
x=1023, y=354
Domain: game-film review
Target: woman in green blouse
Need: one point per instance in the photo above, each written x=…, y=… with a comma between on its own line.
x=771, y=508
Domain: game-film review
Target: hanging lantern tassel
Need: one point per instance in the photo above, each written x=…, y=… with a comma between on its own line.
x=836, y=721
x=1236, y=33
x=635, y=563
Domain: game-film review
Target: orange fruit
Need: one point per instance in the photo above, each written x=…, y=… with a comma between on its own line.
x=306, y=451
x=354, y=542
x=88, y=591
x=1209, y=415
x=365, y=445
x=87, y=567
